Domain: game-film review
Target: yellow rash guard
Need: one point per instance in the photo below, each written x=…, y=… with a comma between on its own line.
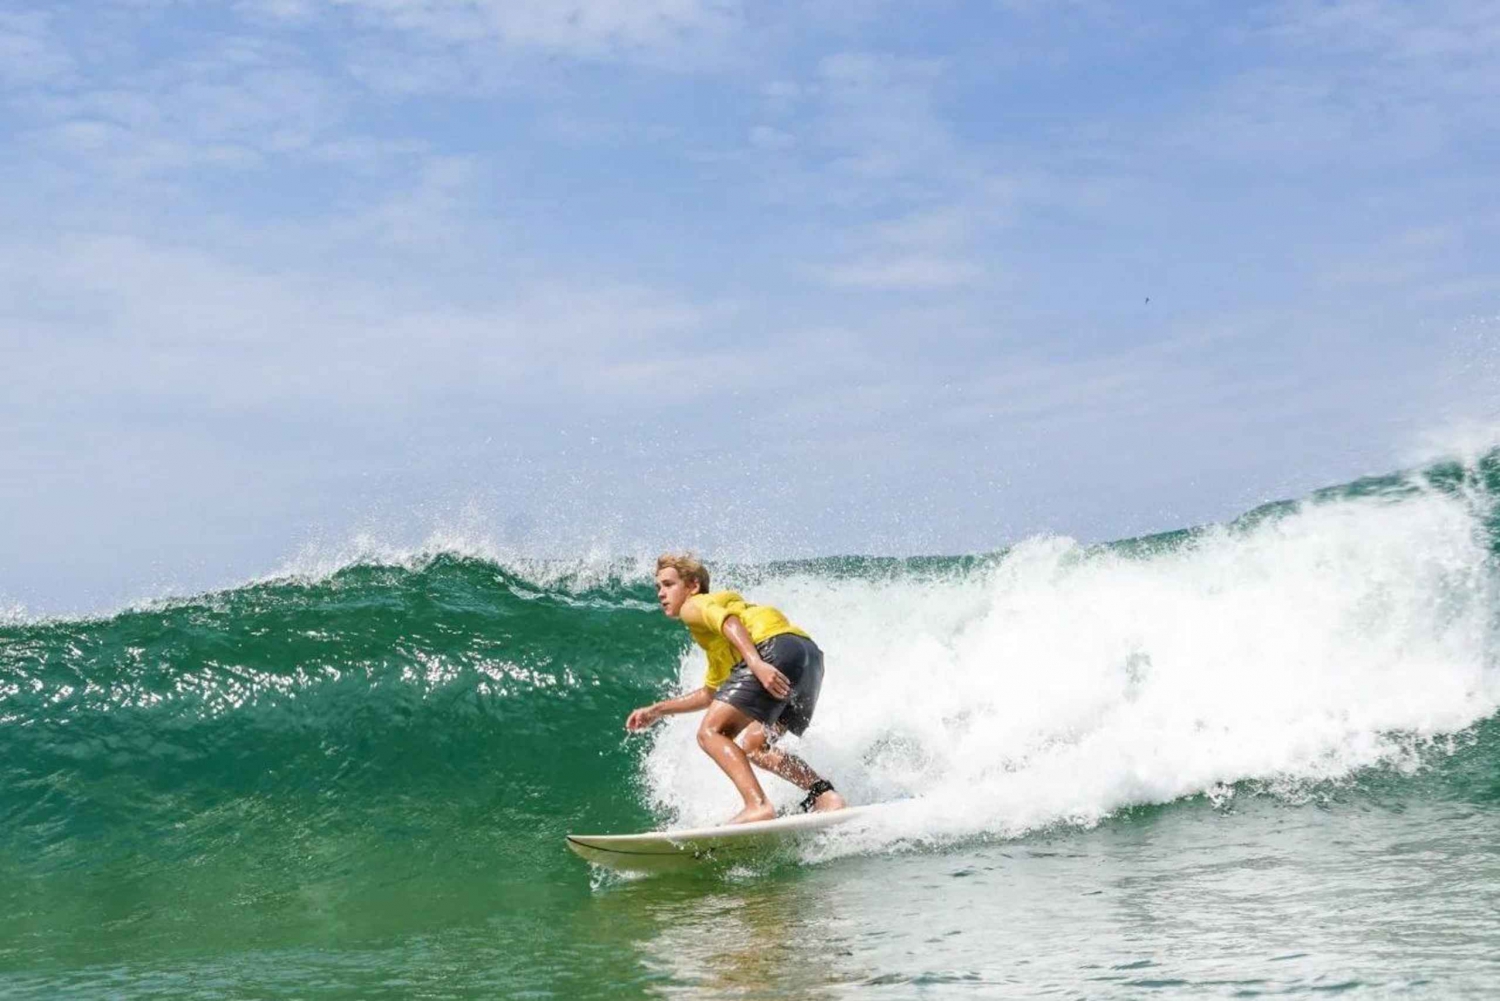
x=760, y=621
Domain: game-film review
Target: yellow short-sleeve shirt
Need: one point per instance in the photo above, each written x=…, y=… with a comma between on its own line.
x=704, y=615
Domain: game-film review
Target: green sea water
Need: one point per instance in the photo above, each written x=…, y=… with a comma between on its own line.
x=1253, y=759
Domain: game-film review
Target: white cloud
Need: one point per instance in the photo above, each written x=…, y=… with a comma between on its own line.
x=579, y=28
x=426, y=216
x=925, y=229
x=922, y=251
x=236, y=101
x=155, y=324
x=910, y=273
x=1435, y=33
x=878, y=120
x=30, y=52
x=443, y=47
x=288, y=11
x=1367, y=80
x=765, y=137
x=1408, y=258
x=880, y=145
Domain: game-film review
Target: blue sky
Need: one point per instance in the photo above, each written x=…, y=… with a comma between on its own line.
x=765, y=279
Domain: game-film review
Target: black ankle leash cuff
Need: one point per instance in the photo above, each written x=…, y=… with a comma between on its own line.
x=815, y=790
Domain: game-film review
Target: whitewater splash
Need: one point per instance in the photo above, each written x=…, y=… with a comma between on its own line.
x=1061, y=683
x=988, y=695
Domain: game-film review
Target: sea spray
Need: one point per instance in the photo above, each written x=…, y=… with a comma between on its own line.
x=1063, y=683
x=476, y=702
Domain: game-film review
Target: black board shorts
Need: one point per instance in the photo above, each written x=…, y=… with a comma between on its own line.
x=801, y=661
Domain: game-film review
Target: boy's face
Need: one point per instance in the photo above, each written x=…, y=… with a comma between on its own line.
x=672, y=590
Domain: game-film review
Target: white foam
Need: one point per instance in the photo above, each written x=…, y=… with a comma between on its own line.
x=595, y=566
x=1062, y=685
x=1463, y=440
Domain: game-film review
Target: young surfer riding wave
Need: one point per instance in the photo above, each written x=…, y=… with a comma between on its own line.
x=763, y=679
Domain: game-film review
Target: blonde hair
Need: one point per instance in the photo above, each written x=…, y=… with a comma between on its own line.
x=687, y=566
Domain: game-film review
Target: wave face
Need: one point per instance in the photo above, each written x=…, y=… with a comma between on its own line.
x=449, y=705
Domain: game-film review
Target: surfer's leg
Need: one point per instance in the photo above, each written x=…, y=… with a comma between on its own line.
x=800, y=659
x=783, y=764
x=763, y=754
x=721, y=724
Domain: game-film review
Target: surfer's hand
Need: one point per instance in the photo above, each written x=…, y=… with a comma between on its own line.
x=771, y=679
x=642, y=718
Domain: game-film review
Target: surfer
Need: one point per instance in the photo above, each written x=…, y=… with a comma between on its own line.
x=763, y=679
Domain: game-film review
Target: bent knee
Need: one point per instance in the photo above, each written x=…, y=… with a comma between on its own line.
x=707, y=731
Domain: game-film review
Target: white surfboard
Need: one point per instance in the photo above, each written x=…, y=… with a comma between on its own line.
x=654, y=851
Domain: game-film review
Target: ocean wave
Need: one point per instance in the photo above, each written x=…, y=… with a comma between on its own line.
x=1350, y=633
x=1301, y=644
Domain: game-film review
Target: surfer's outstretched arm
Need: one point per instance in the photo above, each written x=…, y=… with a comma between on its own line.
x=694, y=701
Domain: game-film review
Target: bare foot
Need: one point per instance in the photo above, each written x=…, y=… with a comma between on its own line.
x=828, y=802
x=750, y=814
